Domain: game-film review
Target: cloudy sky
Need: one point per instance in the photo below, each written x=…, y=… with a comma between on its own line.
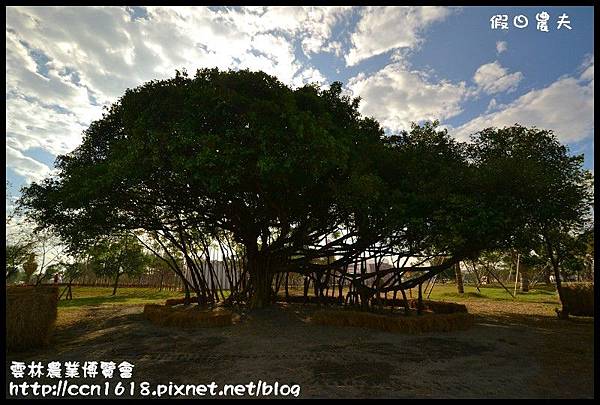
x=408, y=64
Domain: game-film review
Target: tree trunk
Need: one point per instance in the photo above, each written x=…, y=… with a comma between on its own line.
x=287, y=290
x=525, y=279
x=186, y=300
x=341, y=288
x=306, y=285
x=406, y=308
x=420, y=299
x=262, y=290
x=116, y=283
x=547, y=272
x=459, y=280
x=477, y=277
x=261, y=280
x=564, y=313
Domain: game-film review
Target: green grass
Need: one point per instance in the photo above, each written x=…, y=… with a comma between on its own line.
x=93, y=296
x=541, y=294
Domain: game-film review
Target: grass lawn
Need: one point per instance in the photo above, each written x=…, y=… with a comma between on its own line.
x=541, y=294
x=94, y=296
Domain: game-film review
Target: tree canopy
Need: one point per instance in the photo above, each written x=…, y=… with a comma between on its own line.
x=284, y=177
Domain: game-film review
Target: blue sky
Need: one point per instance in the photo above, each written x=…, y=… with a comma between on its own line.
x=407, y=64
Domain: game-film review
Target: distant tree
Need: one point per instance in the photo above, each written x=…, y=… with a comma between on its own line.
x=23, y=238
x=116, y=256
x=529, y=264
x=16, y=255
x=543, y=191
x=70, y=272
x=587, y=238
x=577, y=250
x=50, y=252
x=30, y=267
x=19, y=244
x=159, y=267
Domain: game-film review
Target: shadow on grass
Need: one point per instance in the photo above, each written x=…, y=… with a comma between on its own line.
x=464, y=295
x=534, y=296
x=99, y=300
x=96, y=296
x=549, y=323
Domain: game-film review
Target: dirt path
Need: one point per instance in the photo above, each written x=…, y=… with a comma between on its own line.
x=506, y=354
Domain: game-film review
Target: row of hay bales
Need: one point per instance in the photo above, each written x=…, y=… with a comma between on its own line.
x=310, y=299
x=578, y=298
x=438, y=307
x=398, y=323
x=30, y=316
x=179, y=301
x=185, y=317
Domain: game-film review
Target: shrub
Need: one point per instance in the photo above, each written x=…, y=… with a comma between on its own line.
x=397, y=323
x=187, y=317
x=30, y=316
x=578, y=298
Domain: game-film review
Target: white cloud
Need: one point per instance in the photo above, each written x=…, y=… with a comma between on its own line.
x=111, y=52
x=493, y=104
x=65, y=63
x=30, y=124
x=565, y=106
x=381, y=29
x=25, y=166
x=397, y=96
x=312, y=26
x=587, y=68
x=501, y=46
x=492, y=78
x=309, y=76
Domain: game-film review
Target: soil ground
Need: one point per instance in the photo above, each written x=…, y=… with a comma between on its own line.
x=515, y=350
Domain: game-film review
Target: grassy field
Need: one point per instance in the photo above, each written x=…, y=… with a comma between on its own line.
x=94, y=296
x=538, y=303
x=541, y=294
x=490, y=300
x=543, y=298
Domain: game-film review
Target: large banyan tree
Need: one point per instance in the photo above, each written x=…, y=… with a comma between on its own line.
x=282, y=181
